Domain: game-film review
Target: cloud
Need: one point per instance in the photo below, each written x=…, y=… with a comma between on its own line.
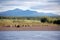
x=55, y=1
x=48, y=6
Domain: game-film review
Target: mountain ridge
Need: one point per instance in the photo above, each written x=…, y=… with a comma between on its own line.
x=19, y=12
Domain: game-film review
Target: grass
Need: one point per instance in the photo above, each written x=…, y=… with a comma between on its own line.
x=13, y=22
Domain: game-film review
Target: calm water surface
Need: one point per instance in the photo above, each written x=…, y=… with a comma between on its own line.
x=29, y=35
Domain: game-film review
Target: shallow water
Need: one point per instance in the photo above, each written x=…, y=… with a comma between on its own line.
x=29, y=35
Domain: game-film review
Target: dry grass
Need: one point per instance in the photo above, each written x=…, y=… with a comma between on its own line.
x=26, y=25
x=6, y=22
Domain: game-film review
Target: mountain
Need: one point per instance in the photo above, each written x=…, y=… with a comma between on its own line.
x=19, y=12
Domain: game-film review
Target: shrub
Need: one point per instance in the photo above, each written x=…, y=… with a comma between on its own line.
x=56, y=22
x=44, y=20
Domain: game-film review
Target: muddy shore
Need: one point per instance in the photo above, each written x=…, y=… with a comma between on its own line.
x=31, y=28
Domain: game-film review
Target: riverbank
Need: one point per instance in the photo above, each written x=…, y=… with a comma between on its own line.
x=27, y=25
x=31, y=28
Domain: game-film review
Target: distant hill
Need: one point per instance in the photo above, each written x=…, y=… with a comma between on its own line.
x=19, y=12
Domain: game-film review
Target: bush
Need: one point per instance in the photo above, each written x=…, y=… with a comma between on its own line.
x=56, y=22
x=44, y=20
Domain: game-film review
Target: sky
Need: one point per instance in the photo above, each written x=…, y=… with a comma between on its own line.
x=46, y=6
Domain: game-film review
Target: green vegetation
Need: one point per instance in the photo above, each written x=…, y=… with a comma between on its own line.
x=13, y=21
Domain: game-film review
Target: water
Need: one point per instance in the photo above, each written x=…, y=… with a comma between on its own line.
x=29, y=35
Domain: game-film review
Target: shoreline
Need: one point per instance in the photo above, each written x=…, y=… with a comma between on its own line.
x=34, y=28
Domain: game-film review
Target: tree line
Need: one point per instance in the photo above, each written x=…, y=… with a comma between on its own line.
x=54, y=20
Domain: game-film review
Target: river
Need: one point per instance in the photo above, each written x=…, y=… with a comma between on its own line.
x=29, y=35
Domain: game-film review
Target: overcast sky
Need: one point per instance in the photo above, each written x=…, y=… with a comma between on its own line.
x=47, y=6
